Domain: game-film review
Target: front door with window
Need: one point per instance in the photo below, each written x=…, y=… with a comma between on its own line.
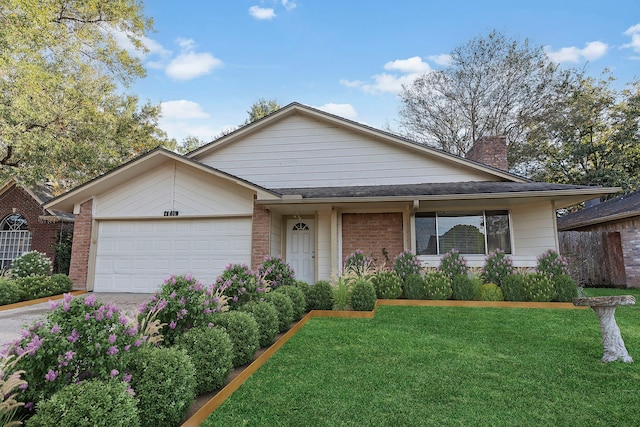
x=301, y=248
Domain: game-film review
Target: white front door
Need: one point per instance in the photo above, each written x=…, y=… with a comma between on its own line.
x=301, y=248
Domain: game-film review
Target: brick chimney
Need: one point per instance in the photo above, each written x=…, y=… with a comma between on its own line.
x=490, y=150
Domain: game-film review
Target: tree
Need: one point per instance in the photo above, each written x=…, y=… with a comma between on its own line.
x=261, y=108
x=494, y=86
x=189, y=144
x=593, y=139
x=63, y=117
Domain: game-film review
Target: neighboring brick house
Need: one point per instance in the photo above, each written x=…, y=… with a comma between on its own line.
x=312, y=188
x=25, y=225
x=615, y=224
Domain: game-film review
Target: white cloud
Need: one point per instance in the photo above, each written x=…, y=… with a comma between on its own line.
x=153, y=47
x=591, y=51
x=406, y=71
x=183, y=118
x=189, y=64
x=262, y=13
x=182, y=109
x=343, y=110
x=289, y=5
x=634, y=33
x=443, y=59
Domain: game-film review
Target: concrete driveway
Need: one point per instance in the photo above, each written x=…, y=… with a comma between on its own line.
x=14, y=320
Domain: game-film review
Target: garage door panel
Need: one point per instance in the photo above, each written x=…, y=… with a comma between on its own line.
x=136, y=256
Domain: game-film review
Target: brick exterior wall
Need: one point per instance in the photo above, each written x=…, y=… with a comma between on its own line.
x=260, y=232
x=371, y=232
x=79, y=268
x=43, y=234
x=491, y=151
x=629, y=230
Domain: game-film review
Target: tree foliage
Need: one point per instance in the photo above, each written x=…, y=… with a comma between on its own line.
x=261, y=108
x=494, y=86
x=63, y=116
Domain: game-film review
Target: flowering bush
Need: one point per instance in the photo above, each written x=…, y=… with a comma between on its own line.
x=565, y=287
x=183, y=303
x=276, y=272
x=32, y=263
x=414, y=287
x=406, y=264
x=513, y=287
x=80, y=338
x=33, y=287
x=552, y=264
x=437, y=285
x=453, y=264
x=9, y=291
x=539, y=287
x=359, y=263
x=388, y=285
x=497, y=266
x=240, y=285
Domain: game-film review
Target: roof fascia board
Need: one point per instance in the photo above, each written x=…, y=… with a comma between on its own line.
x=595, y=221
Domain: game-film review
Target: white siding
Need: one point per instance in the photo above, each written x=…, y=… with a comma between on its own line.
x=276, y=234
x=533, y=229
x=323, y=245
x=301, y=152
x=175, y=186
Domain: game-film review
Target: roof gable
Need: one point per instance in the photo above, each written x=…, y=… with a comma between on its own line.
x=301, y=143
x=622, y=207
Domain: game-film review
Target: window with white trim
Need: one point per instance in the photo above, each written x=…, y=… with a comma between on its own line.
x=469, y=233
x=15, y=239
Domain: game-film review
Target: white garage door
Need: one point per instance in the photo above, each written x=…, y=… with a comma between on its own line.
x=137, y=256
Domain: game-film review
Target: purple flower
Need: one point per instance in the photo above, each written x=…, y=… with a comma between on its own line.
x=132, y=330
x=138, y=343
x=69, y=355
x=114, y=373
x=112, y=338
x=51, y=375
x=54, y=304
x=55, y=329
x=74, y=336
x=127, y=378
x=34, y=345
x=123, y=319
x=112, y=350
x=162, y=304
x=29, y=406
x=172, y=325
x=23, y=386
x=127, y=347
x=90, y=301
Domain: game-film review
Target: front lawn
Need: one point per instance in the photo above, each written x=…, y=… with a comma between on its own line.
x=445, y=366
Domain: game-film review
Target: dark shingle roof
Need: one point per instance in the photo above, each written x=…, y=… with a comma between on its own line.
x=614, y=209
x=426, y=189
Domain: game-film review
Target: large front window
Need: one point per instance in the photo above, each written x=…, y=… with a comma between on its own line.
x=467, y=232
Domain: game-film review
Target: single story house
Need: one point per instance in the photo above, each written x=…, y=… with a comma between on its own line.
x=614, y=225
x=25, y=225
x=310, y=187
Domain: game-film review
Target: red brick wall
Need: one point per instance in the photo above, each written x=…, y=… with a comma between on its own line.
x=490, y=150
x=371, y=232
x=260, y=231
x=81, y=244
x=43, y=234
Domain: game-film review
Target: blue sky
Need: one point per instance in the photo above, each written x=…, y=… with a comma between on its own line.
x=209, y=60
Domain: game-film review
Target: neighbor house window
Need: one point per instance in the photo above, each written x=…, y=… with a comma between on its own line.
x=469, y=232
x=15, y=239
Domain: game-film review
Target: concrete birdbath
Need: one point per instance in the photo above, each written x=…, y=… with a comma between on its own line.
x=605, y=308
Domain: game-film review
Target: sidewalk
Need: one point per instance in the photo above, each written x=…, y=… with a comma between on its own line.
x=15, y=319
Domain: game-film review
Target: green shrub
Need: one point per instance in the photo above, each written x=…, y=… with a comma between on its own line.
x=305, y=288
x=565, y=287
x=342, y=293
x=406, y=264
x=283, y=306
x=210, y=351
x=437, y=285
x=164, y=382
x=465, y=288
x=414, y=287
x=240, y=285
x=243, y=331
x=490, y=292
x=358, y=263
x=10, y=291
x=497, y=267
x=453, y=264
x=183, y=303
x=89, y=403
x=513, y=287
x=62, y=252
x=388, y=285
x=539, y=287
x=276, y=272
x=320, y=296
x=363, y=295
x=266, y=316
x=32, y=263
x=33, y=287
x=298, y=300
x=552, y=264
x=60, y=284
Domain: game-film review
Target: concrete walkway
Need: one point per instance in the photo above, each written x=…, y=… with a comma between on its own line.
x=14, y=320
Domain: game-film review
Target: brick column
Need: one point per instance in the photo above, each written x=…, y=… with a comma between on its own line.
x=81, y=244
x=260, y=235
x=370, y=233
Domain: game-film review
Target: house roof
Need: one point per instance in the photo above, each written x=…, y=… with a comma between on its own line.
x=40, y=194
x=132, y=168
x=441, y=191
x=622, y=207
x=388, y=137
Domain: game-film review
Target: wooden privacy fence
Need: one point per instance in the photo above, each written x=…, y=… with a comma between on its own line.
x=595, y=257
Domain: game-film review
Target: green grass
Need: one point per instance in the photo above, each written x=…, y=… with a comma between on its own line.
x=415, y=366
